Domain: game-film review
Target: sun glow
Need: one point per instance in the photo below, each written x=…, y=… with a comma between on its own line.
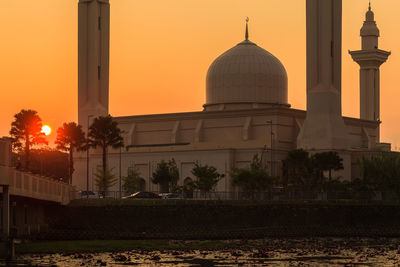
x=46, y=129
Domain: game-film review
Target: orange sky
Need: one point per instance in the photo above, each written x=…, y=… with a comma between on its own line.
x=161, y=50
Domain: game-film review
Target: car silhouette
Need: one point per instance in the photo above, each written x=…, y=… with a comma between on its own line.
x=143, y=195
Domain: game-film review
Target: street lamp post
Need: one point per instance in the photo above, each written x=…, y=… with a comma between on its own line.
x=262, y=155
x=272, y=149
x=87, y=157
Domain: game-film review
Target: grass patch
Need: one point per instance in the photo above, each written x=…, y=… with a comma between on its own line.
x=114, y=245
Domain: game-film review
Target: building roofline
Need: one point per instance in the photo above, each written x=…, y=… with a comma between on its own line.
x=230, y=113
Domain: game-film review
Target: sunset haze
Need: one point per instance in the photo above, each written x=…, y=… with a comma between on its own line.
x=161, y=50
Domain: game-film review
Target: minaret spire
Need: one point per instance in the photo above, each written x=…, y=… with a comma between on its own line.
x=247, y=29
x=370, y=58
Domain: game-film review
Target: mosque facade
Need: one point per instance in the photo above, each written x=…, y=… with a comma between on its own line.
x=246, y=110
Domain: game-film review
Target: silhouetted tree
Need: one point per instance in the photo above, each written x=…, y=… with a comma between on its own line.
x=132, y=182
x=26, y=131
x=381, y=172
x=337, y=185
x=104, y=133
x=327, y=161
x=49, y=162
x=298, y=170
x=166, y=175
x=253, y=178
x=70, y=137
x=104, y=180
x=207, y=177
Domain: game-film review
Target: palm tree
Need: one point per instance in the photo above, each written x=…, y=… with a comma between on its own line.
x=26, y=131
x=70, y=137
x=104, y=181
x=104, y=132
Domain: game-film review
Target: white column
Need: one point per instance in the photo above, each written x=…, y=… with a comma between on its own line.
x=324, y=127
x=93, y=58
x=363, y=93
x=371, y=94
x=377, y=94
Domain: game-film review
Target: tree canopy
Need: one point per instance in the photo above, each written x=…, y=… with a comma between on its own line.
x=70, y=137
x=132, y=182
x=253, y=178
x=104, y=133
x=381, y=172
x=298, y=170
x=207, y=177
x=166, y=175
x=327, y=161
x=49, y=162
x=104, y=180
x=305, y=172
x=26, y=131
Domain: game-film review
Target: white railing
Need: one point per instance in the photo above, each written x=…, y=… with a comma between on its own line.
x=35, y=186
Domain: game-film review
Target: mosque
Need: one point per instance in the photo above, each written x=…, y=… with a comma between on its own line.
x=246, y=110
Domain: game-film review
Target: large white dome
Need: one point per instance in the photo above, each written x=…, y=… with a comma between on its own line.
x=246, y=76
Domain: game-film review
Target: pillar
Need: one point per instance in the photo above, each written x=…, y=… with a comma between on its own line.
x=324, y=126
x=93, y=59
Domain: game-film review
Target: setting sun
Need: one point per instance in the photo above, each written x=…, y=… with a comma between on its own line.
x=46, y=129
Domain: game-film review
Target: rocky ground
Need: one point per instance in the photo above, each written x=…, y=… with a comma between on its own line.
x=266, y=252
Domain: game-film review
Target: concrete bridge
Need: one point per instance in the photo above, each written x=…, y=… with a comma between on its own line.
x=25, y=196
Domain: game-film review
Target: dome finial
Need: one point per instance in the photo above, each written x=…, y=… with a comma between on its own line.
x=369, y=7
x=247, y=29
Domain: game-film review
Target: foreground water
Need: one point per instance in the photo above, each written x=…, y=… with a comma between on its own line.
x=266, y=252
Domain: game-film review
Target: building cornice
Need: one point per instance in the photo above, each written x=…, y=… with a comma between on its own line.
x=211, y=114
x=367, y=56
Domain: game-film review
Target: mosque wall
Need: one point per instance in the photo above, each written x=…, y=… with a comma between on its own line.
x=223, y=139
x=146, y=164
x=363, y=133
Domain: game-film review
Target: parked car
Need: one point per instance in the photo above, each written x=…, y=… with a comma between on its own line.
x=88, y=194
x=143, y=195
x=170, y=196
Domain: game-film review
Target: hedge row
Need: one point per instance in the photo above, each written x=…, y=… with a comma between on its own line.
x=202, y=220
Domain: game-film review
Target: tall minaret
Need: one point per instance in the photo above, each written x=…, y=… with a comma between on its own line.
x=370, y=58
x=324, y=127
x=93, y=59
